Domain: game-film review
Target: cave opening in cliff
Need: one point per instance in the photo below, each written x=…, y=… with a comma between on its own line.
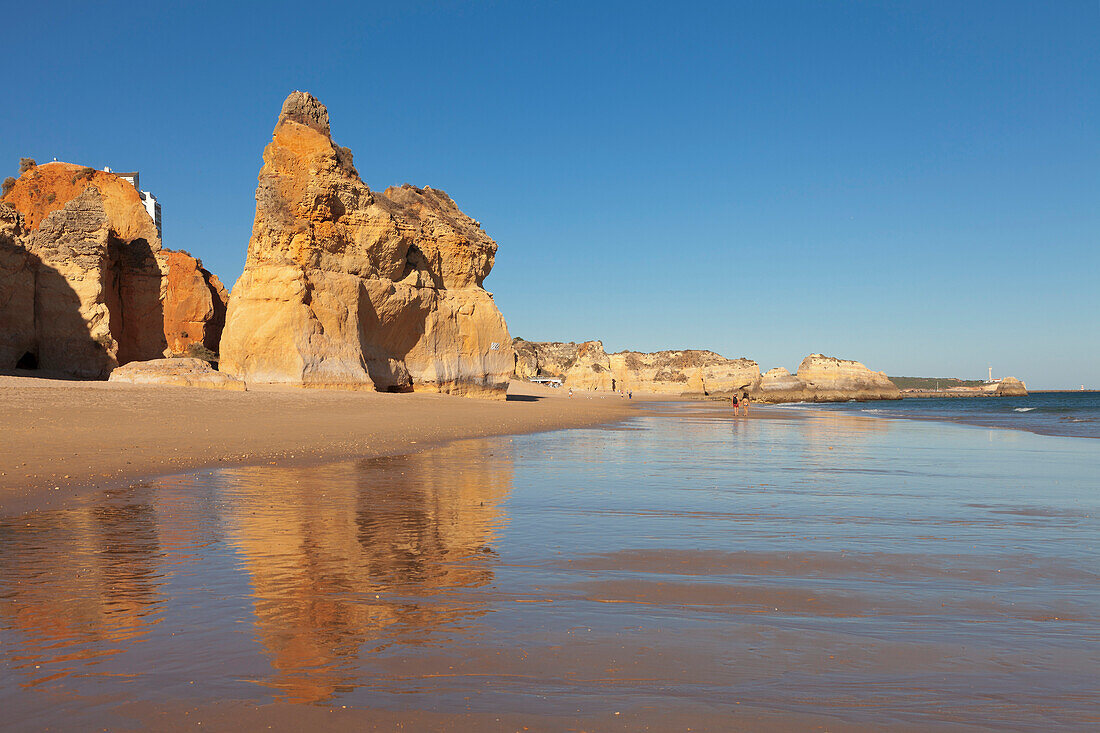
x=28, y=361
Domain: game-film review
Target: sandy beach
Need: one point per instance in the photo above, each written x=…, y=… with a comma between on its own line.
x=61, y=438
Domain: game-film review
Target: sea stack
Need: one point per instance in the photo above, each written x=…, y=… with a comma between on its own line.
x=348, y=287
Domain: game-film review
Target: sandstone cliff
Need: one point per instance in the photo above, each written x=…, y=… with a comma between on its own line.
x=587, y=366
x=779, y=385
x=682, y=372
x=16, y=289
x=347, y=286
x=84, y=282
x=70, y=281
x=582, y=365
x=828, y=379
x=694, y=372
x=194, y=304
x=48, y=187
x=824, y=379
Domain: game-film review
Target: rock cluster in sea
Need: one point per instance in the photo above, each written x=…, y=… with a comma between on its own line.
x=345, y=286
x=84, y=282
x=691, y=372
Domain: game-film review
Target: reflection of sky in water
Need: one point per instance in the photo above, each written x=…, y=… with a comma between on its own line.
x=687, y=558
x=1046, y=413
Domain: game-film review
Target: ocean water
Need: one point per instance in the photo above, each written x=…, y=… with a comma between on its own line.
x=1047, y=413
x=794, y=570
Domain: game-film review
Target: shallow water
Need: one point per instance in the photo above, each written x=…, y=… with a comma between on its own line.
x=1074, y=414
x=881, y=572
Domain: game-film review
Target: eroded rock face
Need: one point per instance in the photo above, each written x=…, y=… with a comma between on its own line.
x=692, y=372
x=345, y=286
x=103, y=291
x=587, y=366
x=77, y=281
x=832, y=380
x=16, y=290
x=180, y=372
x=50, y=186
x=779, y=385
x=194, y=303
x=695, y=372
x=825, y=379
x=583, y=365
x=96, y=297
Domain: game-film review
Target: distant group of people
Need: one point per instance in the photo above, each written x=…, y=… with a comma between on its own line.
x=740, y=399
x=628, y=394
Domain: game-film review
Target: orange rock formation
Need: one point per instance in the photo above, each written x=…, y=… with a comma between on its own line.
x=84, y=282
x=348, y=286
x=194, y=303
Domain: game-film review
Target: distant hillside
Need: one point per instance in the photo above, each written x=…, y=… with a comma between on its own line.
x=934, y=382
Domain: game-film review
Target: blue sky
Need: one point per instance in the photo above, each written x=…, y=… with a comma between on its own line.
x=913, y=185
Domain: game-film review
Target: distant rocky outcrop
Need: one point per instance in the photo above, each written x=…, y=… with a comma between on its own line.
x=583, y=365
x=824, y=379
x=829, y=379
x=587, y=365
x=348, y=286
x=84, y=283
x=180, y=372
x=1007, y=387
x=691, y=372
x=779, y=385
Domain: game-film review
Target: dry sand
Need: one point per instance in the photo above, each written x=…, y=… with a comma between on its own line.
x=59, y=439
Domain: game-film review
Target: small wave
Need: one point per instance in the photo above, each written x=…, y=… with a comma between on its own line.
x=872, y=410
x=1022, y=409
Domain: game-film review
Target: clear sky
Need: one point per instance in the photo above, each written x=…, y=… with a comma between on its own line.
x=913, y=185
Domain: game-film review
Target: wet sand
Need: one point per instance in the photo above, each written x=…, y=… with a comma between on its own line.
x=679, y=570
x=63, y=438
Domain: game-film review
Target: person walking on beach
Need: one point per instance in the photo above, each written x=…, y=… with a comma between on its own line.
x=745, y=402
x=733, y=402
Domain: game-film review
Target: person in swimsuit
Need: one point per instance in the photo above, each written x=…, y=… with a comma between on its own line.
x=745, y=402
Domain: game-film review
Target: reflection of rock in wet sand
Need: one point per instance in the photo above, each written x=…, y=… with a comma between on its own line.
x=354, y=557
x=81, y=575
